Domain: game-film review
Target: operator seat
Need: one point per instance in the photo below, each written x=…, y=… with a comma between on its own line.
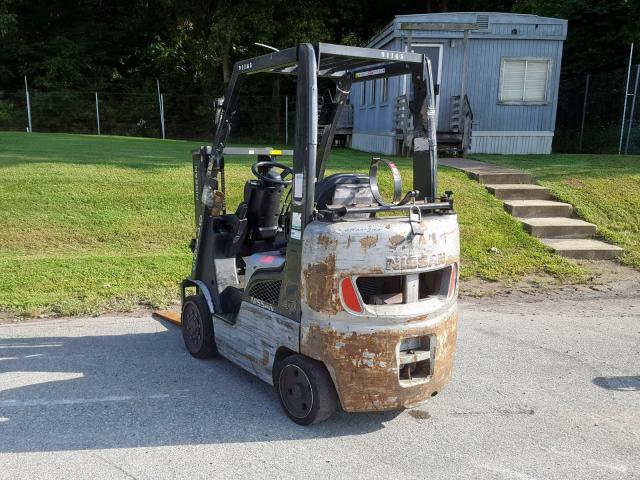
x=345, y=189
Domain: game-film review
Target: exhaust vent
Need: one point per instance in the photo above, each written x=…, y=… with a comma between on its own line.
x=483, y=22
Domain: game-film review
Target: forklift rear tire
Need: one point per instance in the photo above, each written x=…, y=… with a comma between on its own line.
x=197, y=327
x=305, y=390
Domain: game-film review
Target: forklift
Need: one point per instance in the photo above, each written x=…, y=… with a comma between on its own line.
x=317, y=284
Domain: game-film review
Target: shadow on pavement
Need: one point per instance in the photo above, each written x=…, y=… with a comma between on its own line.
x=136, y=390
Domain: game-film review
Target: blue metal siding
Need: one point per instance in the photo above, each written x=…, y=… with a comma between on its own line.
x=485, y=58
x=537, y=37
x=378, y=118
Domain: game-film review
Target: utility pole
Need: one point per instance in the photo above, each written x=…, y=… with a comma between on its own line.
x=97, y=114
x=633, y=109
x=626, y=94
x=161, y=108
x=584, y=112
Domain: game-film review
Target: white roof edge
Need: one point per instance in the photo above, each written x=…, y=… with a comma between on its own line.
x=386, y=31
x=528, y=16
x=390, y=31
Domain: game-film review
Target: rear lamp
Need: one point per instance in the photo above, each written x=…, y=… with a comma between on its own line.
x=349, y=296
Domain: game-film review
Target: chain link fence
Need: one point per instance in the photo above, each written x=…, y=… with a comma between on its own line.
x=263, y=119
x=590, y=114
x=591, y=109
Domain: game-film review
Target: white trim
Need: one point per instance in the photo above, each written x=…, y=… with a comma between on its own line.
x=512, y=143
x=526, y=61
x=514, y=133
x=384, y=143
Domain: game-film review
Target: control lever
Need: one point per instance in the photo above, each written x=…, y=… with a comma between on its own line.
x=415, y=219
x=411, y=194
x=242, y=210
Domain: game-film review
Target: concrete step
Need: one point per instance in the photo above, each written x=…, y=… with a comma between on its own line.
x=493, y=177
x=537, y=208
x=519, y=191
x=558, y=227
x=586, y=248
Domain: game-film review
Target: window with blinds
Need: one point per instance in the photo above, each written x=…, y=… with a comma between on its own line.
x=372, y=92
x=524, y=80
x=384, y=90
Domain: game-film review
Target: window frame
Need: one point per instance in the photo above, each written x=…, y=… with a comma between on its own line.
x=363, y=94
x=546, y=101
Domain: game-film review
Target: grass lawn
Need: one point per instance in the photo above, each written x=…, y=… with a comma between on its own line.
x=605, y=189
x=91, y=224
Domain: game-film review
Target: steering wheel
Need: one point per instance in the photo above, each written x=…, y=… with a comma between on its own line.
x=286, y=171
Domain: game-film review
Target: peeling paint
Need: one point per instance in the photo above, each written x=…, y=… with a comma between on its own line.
x=327, y=241
x=320, y=287
x=396, y=240
x=368, y=241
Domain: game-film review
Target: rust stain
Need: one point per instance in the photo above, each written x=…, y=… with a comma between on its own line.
x=349, y=241
x=368, y=241
x=327, y=241
x=365, y=366
x=396, y=240
x=321, y=287
x=265, y=358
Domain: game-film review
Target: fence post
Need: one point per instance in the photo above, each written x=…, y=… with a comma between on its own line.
x=161, y=108
x=26, y=91
x=162, y=113
x=633, y=108
x=286, y=119
x=626, y=93
x=584, y=112
x=97, y=114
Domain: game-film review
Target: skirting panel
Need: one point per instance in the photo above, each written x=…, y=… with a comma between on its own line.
x=383, y=143
x=513, y=143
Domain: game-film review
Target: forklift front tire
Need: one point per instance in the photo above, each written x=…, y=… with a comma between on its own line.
x=197, y=327
x=305, y=390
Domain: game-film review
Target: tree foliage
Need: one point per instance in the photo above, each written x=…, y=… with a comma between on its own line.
x=190, y=45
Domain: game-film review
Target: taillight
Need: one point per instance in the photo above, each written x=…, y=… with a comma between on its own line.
x=349, y=295
x=453, y=280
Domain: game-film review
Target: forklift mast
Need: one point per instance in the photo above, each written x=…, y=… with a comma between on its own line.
x=344, y=66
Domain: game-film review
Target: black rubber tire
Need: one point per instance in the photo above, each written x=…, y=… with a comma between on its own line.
x=197, y=327
x=324, y=400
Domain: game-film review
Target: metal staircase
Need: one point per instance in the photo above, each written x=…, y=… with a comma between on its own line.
x=456, y=140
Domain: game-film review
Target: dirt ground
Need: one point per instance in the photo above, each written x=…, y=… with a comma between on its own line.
x=610, y=279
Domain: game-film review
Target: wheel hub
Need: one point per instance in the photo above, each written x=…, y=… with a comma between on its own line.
x=296, y=391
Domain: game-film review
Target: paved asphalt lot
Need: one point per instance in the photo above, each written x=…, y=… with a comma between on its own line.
x=547, y=389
